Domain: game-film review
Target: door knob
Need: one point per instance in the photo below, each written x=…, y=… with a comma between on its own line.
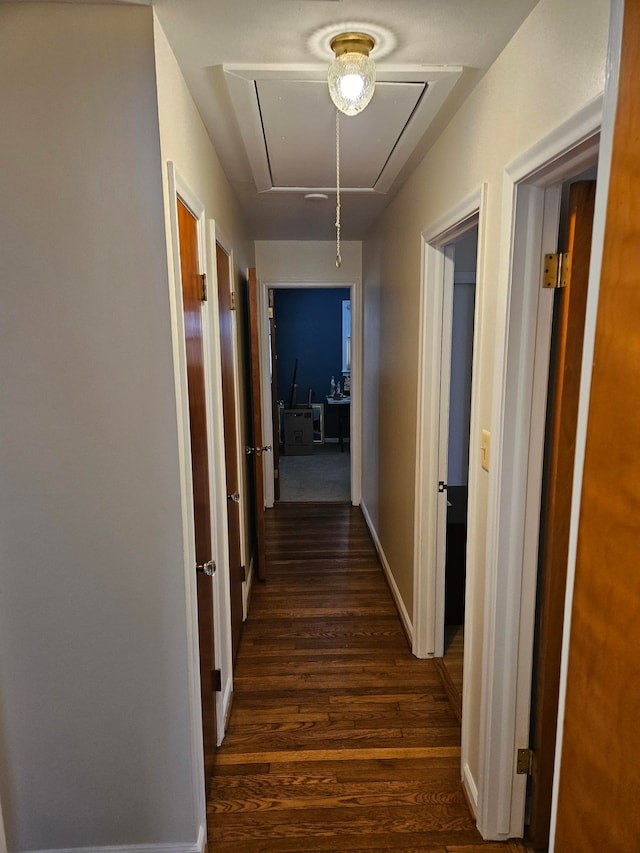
x=208, y=568
x=258, y=450
x=235, y=497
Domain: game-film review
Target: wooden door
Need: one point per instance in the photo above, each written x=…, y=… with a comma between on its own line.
x=258, y=447
x=564, y=390
x=230, y=444
x=275, y=409
x=191, y=298
x=598, y=786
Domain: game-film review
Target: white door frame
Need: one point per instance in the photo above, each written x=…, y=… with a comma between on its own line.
x=216, y=235
x=217, y=472
x=178, y=188
x=444, y=406
x=433, y=358
x=355, y=409
x=531, y=204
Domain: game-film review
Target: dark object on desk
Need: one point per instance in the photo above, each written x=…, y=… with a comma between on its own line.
x=298, y=432
x=343, y=405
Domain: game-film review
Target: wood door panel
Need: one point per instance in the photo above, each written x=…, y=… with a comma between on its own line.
x=191, y=288
x=597, y=807
x=192, y=307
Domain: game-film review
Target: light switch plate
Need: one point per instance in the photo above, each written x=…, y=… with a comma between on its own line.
x=485, y=449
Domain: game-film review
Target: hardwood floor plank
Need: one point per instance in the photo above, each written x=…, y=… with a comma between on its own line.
x=384, y=842
x=230, y=757
x=339, y=739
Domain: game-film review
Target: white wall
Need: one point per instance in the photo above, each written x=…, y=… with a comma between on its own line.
x=185, y=142
x=552, y=67
x=290, y=260
x=94, y=719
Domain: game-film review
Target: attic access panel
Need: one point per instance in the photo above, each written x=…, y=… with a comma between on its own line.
x=298, y=121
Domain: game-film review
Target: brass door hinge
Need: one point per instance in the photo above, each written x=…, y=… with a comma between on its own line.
x=232, y=300
x=203, y=287
x=526, y=762
x=271, y=312
x=557, y=268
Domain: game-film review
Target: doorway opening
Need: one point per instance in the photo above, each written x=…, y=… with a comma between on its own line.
x=455, y=415
x=444, y=522
x=312, y=380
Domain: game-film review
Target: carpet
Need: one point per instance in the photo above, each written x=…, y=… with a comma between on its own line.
x=323, y=476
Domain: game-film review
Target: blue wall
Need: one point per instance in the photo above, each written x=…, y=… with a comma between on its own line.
x=309, y=328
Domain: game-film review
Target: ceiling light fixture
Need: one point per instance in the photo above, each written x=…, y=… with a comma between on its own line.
x=352, y=80
x=352, y=73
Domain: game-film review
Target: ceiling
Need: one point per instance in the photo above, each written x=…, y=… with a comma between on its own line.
x=257, y=72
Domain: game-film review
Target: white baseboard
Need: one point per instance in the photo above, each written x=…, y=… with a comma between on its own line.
x=471, y=788
x=176, y=847
x=395, y=592
x=250, y=578
x=246, y=592
x=226, y=709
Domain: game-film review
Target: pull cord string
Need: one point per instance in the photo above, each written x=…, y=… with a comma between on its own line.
x=338, y=256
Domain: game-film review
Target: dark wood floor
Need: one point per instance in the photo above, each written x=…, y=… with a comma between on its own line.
x=339, y=739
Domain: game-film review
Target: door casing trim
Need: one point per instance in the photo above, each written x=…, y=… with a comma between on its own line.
x=428, y=611
x=217, y=463
x=178, y=189
x=530, y=204
x=436, y=276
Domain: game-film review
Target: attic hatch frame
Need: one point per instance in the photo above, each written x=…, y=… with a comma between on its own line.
x=242, y=80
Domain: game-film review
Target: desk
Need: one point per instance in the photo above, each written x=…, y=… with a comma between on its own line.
x=344, y=411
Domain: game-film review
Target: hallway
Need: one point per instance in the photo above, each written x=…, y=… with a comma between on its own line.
x=339, y=738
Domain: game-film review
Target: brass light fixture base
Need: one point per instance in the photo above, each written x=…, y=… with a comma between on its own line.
x=352, y=43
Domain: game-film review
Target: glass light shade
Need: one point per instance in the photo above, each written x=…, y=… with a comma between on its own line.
x=352, y=79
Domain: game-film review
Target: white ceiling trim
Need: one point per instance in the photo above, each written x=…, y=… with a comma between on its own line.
x=241, y=79
x=245, y=103
x=332, y=189
x=439, y=85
